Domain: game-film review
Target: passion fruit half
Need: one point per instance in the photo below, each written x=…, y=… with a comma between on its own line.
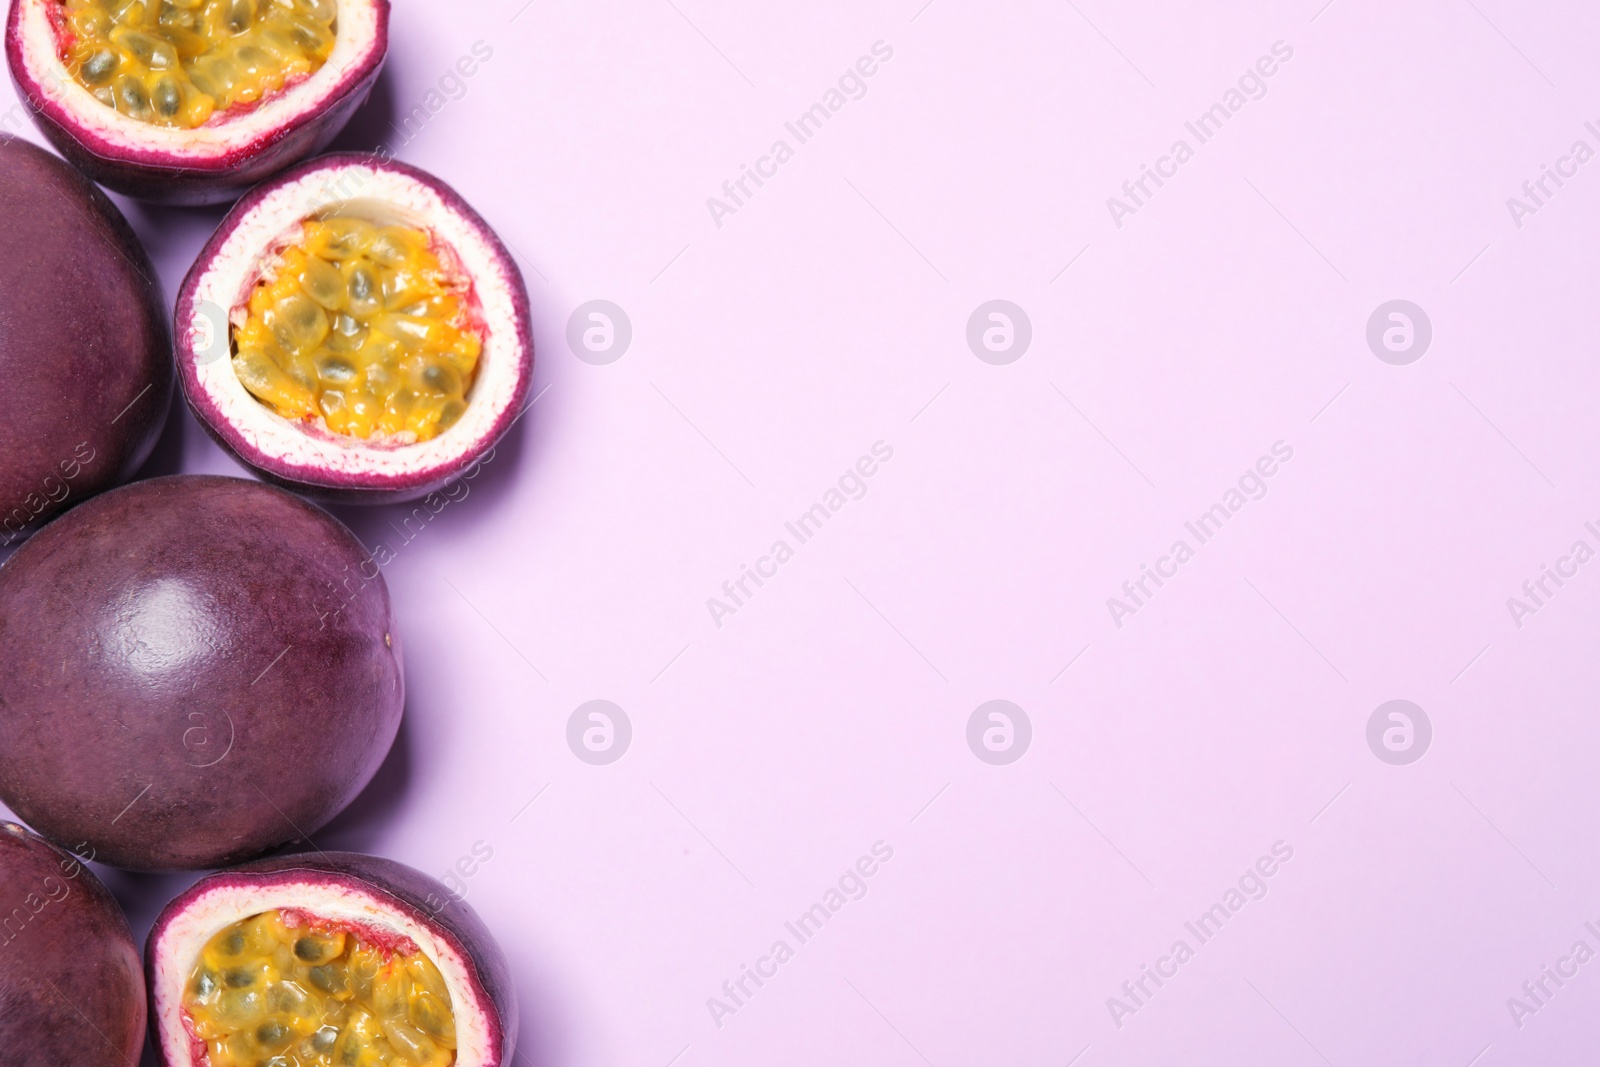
x=355, y=331
x=325, y=959
x=85, y=353
x=71, y=989
x=193, y=101
x=193, y=670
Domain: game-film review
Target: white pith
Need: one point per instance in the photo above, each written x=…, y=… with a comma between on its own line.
x=231, y=273
x=179, y=944
x=353, y=34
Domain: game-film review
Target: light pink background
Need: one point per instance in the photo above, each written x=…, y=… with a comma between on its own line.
x=828, y=313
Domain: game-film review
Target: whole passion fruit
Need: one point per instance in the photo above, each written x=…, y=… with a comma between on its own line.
x=193, y=670
x=71, y=989
x=193, y=101
x=354, y=330
x=84, y=349
x=324, y=959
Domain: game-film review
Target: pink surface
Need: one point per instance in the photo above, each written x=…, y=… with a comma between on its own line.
x=776, y=340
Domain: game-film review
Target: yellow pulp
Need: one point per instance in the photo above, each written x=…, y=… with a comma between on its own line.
x=269, y=993
x=177, y=62
x=362, y=325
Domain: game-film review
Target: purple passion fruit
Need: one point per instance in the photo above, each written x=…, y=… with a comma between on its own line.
x=327, y=959
x=193, y=101
x=71, y=989
x=193, y=670
x=355, y=331
x=84, y=348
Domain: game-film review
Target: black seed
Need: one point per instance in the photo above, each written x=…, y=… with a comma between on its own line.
x=239, y=979
x=326, y=978
x=234, y=944
x=271, y=1033
x=132, y=94
x=205, y=985
x=167, y=97
x=308, y=949
x=98, y=67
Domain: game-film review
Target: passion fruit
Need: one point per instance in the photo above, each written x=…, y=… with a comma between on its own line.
x=193, y=101
x=71, y=989
x=84, y=349
x=193, y=670
x=355, y=331
x=327, y=958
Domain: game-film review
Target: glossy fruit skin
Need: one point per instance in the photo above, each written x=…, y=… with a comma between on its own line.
x=85, y=356
x=71, y=989
x=193, y=670
x=406, y=892
x=170, y=178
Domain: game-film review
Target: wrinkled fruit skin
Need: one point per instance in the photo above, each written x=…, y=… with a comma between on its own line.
x=410, y=893
x=172, y=179
x=71, y=990
x=85, y=357
x=193, y=670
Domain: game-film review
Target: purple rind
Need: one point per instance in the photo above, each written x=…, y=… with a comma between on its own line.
x=333, y=486
x=193, y=670
x=84, y=348
x=71, y=988
x=169, y=178
x=415, y=895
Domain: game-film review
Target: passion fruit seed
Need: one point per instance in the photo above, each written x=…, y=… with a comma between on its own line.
x=363, y=326
x=179, y=62
x=317, y=997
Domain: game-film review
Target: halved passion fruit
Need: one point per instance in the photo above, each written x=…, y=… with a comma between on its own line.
x=193, y=101
x=329, y=959
x=354, y=330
